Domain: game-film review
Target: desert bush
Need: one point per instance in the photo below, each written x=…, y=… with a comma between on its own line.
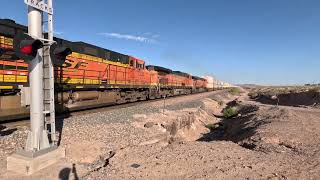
x=253, y=95
x=230, y=112
x=221, y=103
x=234, y=91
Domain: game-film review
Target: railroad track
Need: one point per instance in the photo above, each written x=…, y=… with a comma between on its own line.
x=25, y=121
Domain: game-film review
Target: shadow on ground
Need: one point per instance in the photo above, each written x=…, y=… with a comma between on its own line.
x=64, y=174
x=59, y=125
x=235, y=129
x=5, y=132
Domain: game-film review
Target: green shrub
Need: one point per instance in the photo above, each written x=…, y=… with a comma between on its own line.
x=234, y=91
x=230, y=112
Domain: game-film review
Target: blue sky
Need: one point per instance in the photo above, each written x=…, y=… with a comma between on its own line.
x=239, y=41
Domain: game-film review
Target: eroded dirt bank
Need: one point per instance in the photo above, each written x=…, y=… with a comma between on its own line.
x=261, y=142
x=289, y=96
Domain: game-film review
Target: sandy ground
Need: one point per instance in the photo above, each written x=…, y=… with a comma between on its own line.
x=261, y=142
x=265, y=142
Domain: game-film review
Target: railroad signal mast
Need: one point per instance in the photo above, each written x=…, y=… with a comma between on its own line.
x=36, y=50
x=39, y=52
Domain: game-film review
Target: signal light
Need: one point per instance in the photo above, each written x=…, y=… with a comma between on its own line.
x=59, y=54
x=26, y=47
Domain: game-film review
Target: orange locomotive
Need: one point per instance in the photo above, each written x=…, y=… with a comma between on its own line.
x=91, y=76
x=89, y=66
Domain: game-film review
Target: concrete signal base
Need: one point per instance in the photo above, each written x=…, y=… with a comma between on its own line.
x=26, y=163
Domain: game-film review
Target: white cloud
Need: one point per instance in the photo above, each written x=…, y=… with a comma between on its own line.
x=154, y=36
x=145, y=39
x=57, y=32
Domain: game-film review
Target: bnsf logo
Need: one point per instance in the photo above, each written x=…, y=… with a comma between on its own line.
x=73, y=64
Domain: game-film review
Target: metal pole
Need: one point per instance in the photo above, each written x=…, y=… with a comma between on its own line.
x=36, y=139
x=51, y=75
x=50, y=23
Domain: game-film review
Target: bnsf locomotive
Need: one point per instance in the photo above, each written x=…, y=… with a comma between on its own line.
x=91, y=76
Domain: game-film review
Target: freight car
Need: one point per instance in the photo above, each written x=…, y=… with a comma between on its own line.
x=90, y=77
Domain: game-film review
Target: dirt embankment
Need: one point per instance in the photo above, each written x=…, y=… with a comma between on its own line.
x=183, y=125
x=298, y=96
x=258, y=142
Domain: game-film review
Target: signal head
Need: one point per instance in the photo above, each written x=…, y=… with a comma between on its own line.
x=26, y=47
x=59, y=54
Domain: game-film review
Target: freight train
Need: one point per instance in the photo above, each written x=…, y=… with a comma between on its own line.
x=90, y=77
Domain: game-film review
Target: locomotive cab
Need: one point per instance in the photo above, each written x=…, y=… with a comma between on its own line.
x=136, y=63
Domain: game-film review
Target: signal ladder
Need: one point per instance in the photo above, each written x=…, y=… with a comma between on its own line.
x=48, y=94
x=48, y=85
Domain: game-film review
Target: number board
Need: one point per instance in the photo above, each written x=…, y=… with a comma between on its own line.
x=40, y=5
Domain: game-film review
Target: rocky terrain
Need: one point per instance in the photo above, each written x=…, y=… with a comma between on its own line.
x=216, y=135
